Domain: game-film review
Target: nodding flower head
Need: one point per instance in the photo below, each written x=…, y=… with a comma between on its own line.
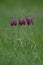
x=22, y=21
x=13, y=22
x=29, y=20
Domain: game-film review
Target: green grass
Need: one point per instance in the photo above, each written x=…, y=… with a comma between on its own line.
x=19, y=53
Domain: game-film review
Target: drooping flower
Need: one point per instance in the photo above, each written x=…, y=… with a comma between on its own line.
x=29, y=20
x=22, y=21
x=13, y=22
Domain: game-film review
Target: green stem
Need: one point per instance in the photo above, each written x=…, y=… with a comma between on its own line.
x=12, y=37
x=27, y=35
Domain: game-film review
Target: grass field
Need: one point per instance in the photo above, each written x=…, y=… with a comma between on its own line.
x=28, y=46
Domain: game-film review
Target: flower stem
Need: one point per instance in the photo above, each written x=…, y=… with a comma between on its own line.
x=12, y=37
x=26, y=35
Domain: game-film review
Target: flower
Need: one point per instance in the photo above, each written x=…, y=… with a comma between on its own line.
x=22, y=21
x=13, y=22
x=29, y=20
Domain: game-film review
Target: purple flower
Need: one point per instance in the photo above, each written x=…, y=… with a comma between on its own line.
x=29, y=20
x=13, y=22
x=22, y=21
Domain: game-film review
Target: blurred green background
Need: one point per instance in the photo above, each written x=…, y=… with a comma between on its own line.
x=18, y=55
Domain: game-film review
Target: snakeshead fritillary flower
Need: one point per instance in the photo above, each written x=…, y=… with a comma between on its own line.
x=29, y=20
x=13, y=22
x=22, y=21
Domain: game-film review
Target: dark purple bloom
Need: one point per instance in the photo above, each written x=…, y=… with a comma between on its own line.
x=13, y=22
x=22, y=21
x=29, y=20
